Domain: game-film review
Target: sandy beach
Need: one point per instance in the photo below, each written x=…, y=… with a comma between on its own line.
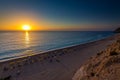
x=59, y=64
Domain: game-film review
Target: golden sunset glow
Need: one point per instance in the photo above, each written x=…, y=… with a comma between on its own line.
x=27, y=40
x=26, y=27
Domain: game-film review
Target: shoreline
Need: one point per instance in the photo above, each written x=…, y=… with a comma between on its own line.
x=52, y=50
x=58, y=64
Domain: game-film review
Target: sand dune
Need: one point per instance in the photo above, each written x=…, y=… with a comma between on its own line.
x=103, y=66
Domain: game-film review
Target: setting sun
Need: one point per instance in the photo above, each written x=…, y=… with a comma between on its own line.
x=26, y=27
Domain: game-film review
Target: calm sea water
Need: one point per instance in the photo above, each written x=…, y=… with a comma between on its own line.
x=19, y=43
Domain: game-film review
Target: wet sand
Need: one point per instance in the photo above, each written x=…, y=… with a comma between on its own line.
x=59, y=64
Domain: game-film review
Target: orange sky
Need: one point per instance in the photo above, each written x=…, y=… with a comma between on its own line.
x=15, y=21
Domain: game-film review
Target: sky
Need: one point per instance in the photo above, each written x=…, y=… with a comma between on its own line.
x=60, y=14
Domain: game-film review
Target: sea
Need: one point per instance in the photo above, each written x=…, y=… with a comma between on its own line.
x=14, y=44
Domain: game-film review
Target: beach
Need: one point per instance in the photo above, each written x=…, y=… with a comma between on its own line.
x=60, y=64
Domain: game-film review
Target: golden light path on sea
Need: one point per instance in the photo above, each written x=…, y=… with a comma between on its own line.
x=27, y=39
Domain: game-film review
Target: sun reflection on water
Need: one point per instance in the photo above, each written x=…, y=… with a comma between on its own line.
x=27, y=39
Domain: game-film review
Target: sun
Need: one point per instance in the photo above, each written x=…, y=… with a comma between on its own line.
x=26, y=27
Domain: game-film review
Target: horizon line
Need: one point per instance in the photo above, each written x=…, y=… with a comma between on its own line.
x=48, y=30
